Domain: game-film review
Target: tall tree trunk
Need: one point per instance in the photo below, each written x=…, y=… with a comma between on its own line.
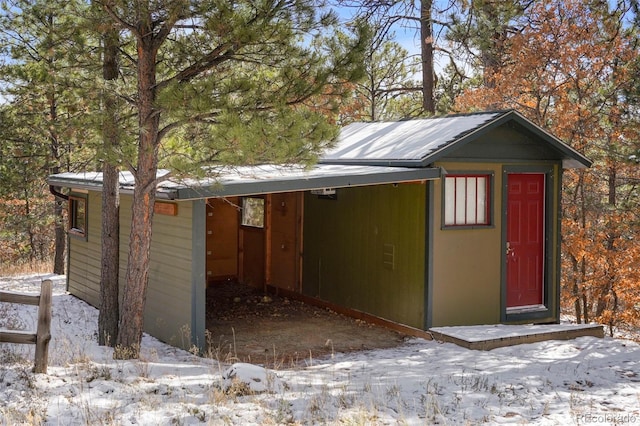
x=29, y=221
x=60, y=240
x=491, y=55
x=575, y=290
x=426, y=43
x=586, y=314
x=604, y=301
x=137, y=277
x=373, y=107
x=60, y=243
x=109, y=273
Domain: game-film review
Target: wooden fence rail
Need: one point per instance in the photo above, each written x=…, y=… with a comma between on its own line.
x=42, y=336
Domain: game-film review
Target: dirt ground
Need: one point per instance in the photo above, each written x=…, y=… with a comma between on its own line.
x=248, y=326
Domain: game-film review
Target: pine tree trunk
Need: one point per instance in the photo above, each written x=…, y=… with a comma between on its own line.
x=60, y=241
x=109, y=272
x=137, y=277
x=110, y=257
x=426, y=38
x=60, y=244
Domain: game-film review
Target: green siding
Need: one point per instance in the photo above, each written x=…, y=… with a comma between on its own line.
x=509, y=142
x=168, y=307
x=366, y=250
x=168, y=304
x=84, y=256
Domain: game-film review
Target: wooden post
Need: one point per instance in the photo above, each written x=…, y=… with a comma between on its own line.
x=43, y=333
x=300, y=234
x=267, y=242
x=42, y=336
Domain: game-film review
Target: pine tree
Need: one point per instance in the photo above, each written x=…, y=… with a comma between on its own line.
x=43, y=55
x=419, y=15
x=224, y=82
x=482, y=30
x=386, y=92
x=108, y=318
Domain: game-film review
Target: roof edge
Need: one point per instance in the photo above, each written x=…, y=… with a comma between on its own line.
x=386, y=175
x=572, y=158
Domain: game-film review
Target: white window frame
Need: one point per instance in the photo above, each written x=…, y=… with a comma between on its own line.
x=467, y=200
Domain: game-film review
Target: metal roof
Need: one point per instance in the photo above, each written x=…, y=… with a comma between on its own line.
x=257, y=180
x=365, y=154
x=401, y=141
x=420, y=142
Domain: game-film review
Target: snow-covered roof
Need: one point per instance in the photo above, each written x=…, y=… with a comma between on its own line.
x=420, y=142
x=233, y=181
x=365, y=154
x=410, y=140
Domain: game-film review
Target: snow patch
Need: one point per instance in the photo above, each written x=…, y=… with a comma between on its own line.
x=255, y=378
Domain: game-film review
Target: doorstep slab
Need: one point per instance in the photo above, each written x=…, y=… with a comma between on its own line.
x=487, y=337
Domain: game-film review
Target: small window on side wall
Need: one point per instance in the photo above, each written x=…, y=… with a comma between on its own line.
x=467, y=200
x=253, y=212
x=78, y=216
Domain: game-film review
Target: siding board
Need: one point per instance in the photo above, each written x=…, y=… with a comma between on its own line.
x=84, y=260
x=168, y=303
x=366, y=250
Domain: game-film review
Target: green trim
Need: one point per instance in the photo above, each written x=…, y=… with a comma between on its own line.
x=572, y=158
x=303, y=184
x=198, y=274
x=266, y=185
x=428, y=258
x=558, y=242
x=68, y=261
x=551, y=311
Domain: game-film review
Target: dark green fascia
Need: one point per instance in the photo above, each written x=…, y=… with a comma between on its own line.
x=570, y=157
x=198, y=275
x=291, y=185
x=428, y=261
x=267, y=186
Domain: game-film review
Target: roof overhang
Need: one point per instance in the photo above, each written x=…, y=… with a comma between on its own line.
x=571, y=158
x=421, y=142
x=257, y=180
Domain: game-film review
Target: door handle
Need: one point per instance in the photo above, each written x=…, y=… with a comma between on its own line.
x=509, y=250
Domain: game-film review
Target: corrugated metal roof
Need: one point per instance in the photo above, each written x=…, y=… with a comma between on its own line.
x=398, y=141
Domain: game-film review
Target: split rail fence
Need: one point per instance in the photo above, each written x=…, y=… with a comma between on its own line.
x=42, y=336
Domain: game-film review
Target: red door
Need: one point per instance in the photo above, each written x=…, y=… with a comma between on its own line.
x=525, y=239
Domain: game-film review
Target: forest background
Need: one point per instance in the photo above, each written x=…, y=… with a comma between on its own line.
x=570, y=66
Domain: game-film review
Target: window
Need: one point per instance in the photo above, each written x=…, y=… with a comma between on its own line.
x=78, y=216
x=253, y=212
x=466, y=200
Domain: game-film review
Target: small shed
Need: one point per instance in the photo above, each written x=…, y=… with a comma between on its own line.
x=432, y=222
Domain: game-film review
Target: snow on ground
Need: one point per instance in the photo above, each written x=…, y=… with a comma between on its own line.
x=583, y=381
